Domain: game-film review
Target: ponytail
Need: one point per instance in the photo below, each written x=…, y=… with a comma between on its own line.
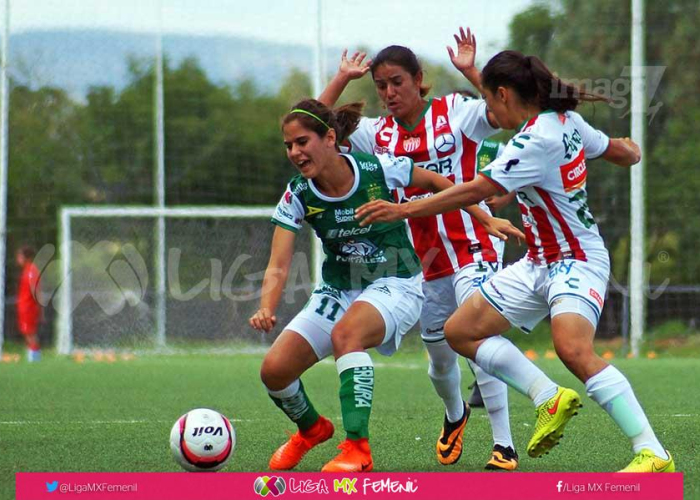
x=534, y=82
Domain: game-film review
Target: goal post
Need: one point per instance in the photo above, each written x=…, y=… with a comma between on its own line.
x=127, y=280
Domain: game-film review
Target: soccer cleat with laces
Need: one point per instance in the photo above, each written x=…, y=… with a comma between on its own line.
x=552, y=417
x=290, y=453
x=503, y=458
x=355, y=456
x=449, y=444
x=647, y=461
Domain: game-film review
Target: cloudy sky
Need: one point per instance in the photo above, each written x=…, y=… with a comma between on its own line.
x=423, y=25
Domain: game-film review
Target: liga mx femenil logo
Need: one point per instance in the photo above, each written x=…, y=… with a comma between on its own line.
x=270, y=485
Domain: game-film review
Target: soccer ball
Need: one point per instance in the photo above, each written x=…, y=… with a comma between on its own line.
x=202, y=440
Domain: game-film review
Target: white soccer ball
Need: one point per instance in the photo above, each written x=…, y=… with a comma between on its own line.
x=202, y=440
x=444, y=142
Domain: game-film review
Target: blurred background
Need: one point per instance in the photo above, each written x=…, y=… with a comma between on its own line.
x=152, y=103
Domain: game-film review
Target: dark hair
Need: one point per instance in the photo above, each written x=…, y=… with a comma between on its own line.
x=399, y=56
x=321, y=119
x=533, y=81
x=27, y=252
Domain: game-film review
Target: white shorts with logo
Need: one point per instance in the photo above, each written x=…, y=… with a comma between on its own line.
x=398, y=300
x=525, y=292
x=444, y=295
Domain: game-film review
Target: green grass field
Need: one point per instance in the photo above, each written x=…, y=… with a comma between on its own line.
x=59, y=415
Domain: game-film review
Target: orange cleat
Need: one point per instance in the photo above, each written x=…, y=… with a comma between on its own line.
x=290, y=453
x=355, y=456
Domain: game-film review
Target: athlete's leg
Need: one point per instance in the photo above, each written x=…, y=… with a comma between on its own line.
x=443, y=368
x=573, y=335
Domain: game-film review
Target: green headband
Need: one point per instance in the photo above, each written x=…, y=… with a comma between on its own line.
x=297, y=110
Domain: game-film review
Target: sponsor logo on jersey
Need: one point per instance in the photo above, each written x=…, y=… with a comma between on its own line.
x=596, y=296
x=344, y=214
x=328, y=290
x=299, y=188
x=311, y=211
x=440, y=123
x=346, y=233
x=368, y=166
x=406, y=199
x=282, y=213
x=374, y=192
x=288, y=197
x=381, y=150
x=411, y=143
x=573, y=175
x=384, y=135
x=445, y=142
x=361, y=248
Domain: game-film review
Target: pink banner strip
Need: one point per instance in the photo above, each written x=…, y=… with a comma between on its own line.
x=399, y=486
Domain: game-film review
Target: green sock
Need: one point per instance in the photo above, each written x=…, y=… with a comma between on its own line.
x=294, y=402
x=356, y=389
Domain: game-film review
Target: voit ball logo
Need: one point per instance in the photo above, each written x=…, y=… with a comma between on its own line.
x=270, y=485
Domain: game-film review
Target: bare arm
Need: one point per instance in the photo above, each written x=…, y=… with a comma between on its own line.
x=623, y=152
x=350, y=69
x=274, y=280
x=445, y=201
x=500, y=228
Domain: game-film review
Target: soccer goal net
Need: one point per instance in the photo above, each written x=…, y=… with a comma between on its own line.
x=136, y=278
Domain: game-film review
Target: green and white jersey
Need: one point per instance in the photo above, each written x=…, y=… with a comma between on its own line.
x=354, y=256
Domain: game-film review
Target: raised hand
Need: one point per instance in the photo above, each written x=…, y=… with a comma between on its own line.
x=354, y=67
x=463, y=60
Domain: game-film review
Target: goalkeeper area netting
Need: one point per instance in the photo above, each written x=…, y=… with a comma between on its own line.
x=170, y=278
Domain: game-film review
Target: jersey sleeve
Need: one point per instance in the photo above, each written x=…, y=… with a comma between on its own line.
x=398, y=170
x=363, y=138
x=521, y=164
x=470, y=115
x=595, y=142
x=289, y=212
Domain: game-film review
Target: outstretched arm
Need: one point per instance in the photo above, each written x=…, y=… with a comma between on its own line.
x=275, y=279
x=349, y=69
x=623, y=152
x=464, y=61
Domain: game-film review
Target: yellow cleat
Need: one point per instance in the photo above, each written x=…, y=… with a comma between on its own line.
x=552, y=417
x=647, y=461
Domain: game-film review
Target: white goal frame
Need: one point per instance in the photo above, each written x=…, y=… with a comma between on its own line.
x=64, y=341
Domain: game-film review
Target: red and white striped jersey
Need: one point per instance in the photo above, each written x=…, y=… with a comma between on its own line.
x=444, y=140
x=545, y=163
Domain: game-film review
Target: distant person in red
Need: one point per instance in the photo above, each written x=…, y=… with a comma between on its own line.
x=29, y=312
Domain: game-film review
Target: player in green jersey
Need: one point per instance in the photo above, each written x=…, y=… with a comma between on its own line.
x=371, y=291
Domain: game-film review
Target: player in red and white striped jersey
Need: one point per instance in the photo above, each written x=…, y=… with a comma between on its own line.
x=565, y=272
x=441, y=134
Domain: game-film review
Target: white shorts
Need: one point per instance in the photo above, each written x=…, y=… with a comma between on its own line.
x=525, y=292
x=398, y=300
x=444, y=295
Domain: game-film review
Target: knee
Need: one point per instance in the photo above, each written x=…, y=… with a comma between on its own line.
x=442, y=362
x=342, y=339
x=273, y=374
x=574, y=354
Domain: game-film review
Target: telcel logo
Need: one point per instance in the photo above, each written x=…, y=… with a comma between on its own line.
x=345, y=233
